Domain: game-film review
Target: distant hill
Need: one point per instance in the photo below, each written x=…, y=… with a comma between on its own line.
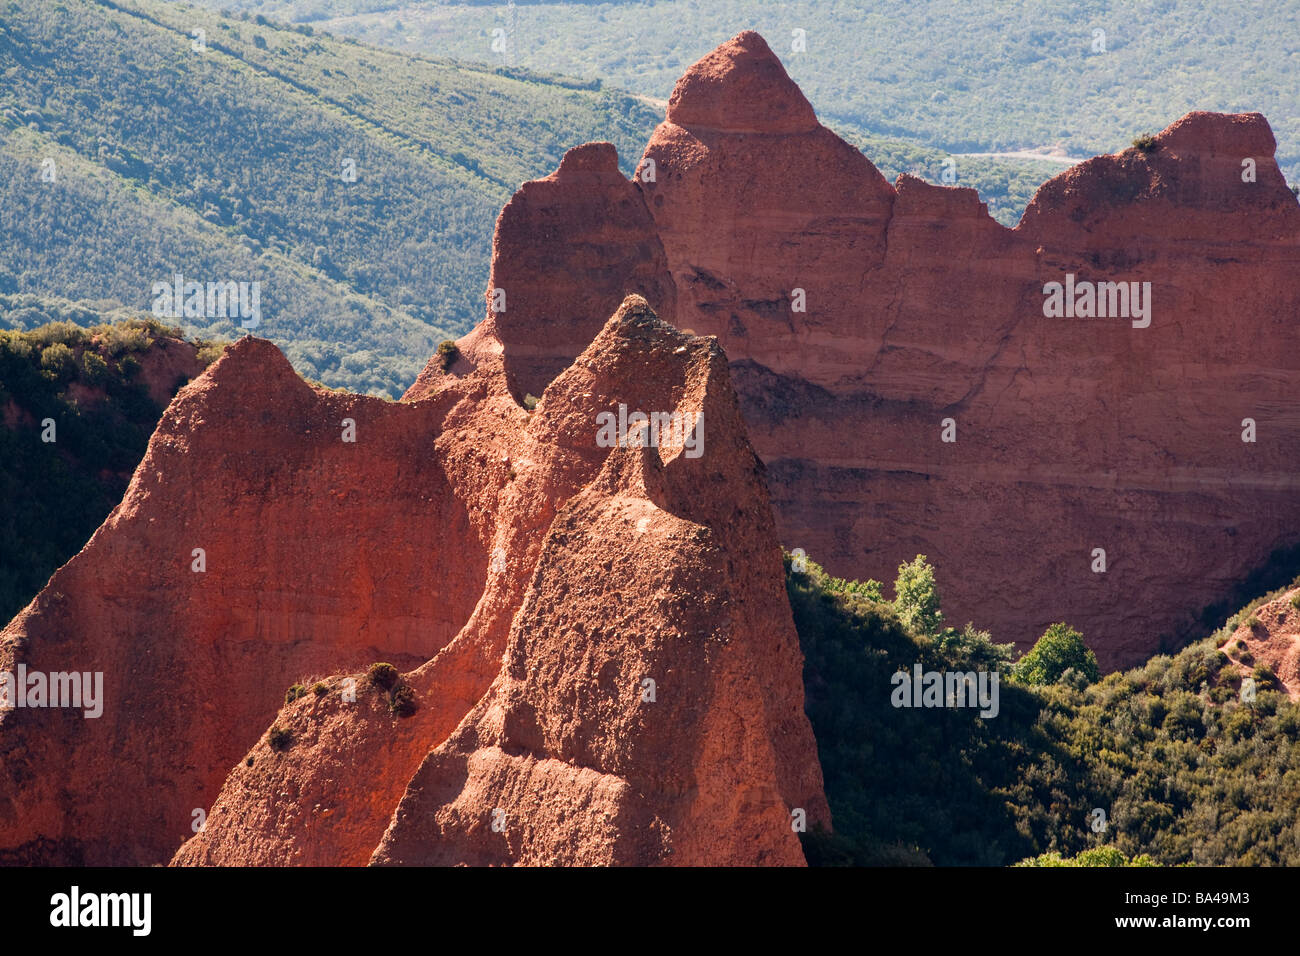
x=991, y=76
x=127, y=156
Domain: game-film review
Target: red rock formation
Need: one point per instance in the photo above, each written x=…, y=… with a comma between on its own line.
x=317, y=555
x=1072, y=434
x=619, y=255
x=524, y=579
x=1270, y=637
x=565, y=752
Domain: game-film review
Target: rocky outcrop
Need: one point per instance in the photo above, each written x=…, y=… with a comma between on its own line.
x=1269, y=638
x=867, y=322
x=525, y=581
x=659, y=721
x=546, y=283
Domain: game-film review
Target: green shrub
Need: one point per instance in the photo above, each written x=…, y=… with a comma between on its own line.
x=296, y=691
x=1265, y=679
x=401, y=701
x=383, y=675
x=916, y=597
x=59, y=360
x=530, y=401
x=129, y=336
x=94, y=368
x=447, y=353
x=1146, y=144
x=58, y=333
x=209, y=352
x=321, y=689
x=1097, y=856
x=280, y=739
x=1060, y=648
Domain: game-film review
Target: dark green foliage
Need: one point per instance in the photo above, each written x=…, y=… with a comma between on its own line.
x=320, y=689
x=94, y=368
x=296, y=691
x=62, y=491
x=1185, y=771
x=1145, y=144
x=1059, y=650
x=1265, y=679
x=383, y=675
x=59, y=361
x=280, y=739
x=401, y=701
x=914, y=786
x=447, y=353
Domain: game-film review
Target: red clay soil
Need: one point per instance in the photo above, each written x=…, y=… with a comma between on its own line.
x=1270, y=636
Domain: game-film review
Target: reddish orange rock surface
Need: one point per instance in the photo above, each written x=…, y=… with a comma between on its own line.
x=860, y=316
x=524, y=580
x=1270, y=638
x=618, y=255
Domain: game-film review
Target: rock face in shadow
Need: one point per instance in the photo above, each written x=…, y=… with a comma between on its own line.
x=867, y=322
x=564, y=619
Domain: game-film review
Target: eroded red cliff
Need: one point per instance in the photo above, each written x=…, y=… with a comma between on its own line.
x=865, y=321
x=525, y=579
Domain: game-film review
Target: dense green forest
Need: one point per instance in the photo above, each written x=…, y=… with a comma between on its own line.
x=359, y=187
x=75, y=417
x=1184, y=771
x=991, y=76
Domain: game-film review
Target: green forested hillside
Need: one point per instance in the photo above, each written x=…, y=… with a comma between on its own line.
x=127, y=156
x=979, y=76
x=1183, y=769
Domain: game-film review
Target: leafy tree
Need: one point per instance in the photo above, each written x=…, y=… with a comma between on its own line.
x=59, y=360
x=977, y=647
x=1060, y=649
x=96, y=369
x=916, y=599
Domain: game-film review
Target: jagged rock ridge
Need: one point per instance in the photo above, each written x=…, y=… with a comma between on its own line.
x=525, y=580
x=864, y=320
